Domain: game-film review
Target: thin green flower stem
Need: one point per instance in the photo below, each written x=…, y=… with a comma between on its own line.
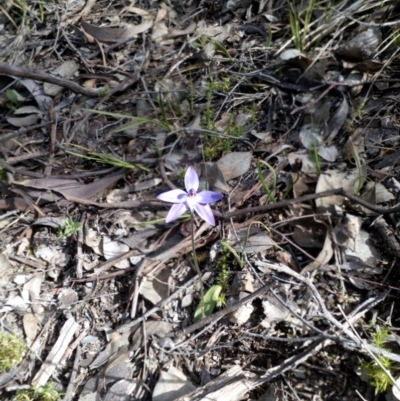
x=196, y=265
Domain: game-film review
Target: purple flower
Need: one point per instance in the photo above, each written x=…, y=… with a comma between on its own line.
x=190, y=200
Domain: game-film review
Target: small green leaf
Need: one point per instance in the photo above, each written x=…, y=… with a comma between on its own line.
x=207, y=305
x=12, y=96
x=221, y=48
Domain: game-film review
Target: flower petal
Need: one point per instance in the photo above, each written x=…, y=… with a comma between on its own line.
x=191, y=179
x=174, y=196
x=176, y=211
x=205, y=213
x=208, y=197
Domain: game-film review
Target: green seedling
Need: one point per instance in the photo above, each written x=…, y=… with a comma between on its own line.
x=41, y=8
x=106, y=159
x=377, y=370
x=361, y=175
x=208, y=303
x=396, y=37
x=289, y=189
x=202, y=41
x=46, y=393
x=268, y=190
x=294, y=21
x=68, y=228
x=316, y=158
x=216, y=295
x=23, y=10
x=268, y=40
x=12, y=350
x=224, y=270
x=12, y=96
x=300, y=26
x=227, y=249
x=216, y=145
x=3, y=174
x=219, y=46
x=104, y=91
x=253, y=111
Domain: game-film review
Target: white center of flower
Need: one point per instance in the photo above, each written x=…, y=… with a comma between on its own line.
x=191, y=199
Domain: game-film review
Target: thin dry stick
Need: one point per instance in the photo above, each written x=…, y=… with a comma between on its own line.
x=326, y=314
x=305, y=198
x=22, y=72
x=295, y=360
x=138, y=281
x=127, y=326
x=223, y=312
x=377, y=361
x=72, y=380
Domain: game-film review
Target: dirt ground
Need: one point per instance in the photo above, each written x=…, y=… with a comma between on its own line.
x=287, y=111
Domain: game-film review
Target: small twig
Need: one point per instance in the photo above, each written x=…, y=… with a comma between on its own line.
x=72, y=380
x=111, y=48
x=28, y=262
x=127, y=326
x=53, y=140
x=372, y=355
x=329, y=317
x=164, y=176
x=22, y=72
x=25, y=157
x=7, y=166
x=305, y=198
x=137, y=281
x=223, y=312
x=110, y=263
x=21, y=131
x=289, y=363
x=346, y=15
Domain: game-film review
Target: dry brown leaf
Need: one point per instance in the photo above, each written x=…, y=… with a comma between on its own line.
x=31, y=327
x=172, y=385
x=181, y=32
x=337, y=120
x=331, y=179
x=112, y=249
x=234, y=164
x=323, y=258
x=347, y=231
x=49, y=366
x=65, y=70
x=5, y=270
x=161, y=14
x=113, y=35
x=156, y=289
x=35, y=187
x=26, y=121
x=160, y=328
x=121, y=390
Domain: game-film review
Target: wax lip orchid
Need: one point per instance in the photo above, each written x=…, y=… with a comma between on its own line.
x=190, y=200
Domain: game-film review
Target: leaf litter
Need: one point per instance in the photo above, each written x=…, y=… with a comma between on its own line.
x=105, y=109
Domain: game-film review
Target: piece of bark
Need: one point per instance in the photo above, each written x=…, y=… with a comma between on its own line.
x=55, y=355
x=232, y=385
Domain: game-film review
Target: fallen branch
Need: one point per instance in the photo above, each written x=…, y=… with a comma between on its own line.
x=22, y=72
x=305, y=198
